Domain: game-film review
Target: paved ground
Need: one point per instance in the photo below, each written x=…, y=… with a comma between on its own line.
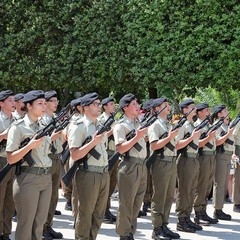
x=223, y=230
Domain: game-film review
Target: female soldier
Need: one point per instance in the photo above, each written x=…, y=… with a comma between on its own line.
x=225, y=149
x=32, y=187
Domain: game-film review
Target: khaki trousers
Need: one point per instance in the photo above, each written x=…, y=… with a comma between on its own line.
x=187, y=171
x=132, y=183
x=67, y=190
x=6, y=200
x=32, y=194
x=236, y=180
x=149, y=191
x=164, y=176
x=221, y=179
x=113, y=181
x=207, y=166
x=55, y=173
x=92, y=190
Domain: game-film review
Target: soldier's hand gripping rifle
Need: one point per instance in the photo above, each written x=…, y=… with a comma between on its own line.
x=179, y=124
x=131, y=134
x=47, y=130
x=213, y=128
x=67, y=178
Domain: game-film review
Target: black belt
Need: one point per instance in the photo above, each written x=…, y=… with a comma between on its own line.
x=36, y=170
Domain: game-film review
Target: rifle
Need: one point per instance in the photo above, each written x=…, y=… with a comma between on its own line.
x=28, y=158
x=169, y=145
x=223, y=133
x=213, y=128
x=131, y=134
x=67, y=178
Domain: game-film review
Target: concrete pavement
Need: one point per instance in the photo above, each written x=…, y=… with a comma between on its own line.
x=223, y=230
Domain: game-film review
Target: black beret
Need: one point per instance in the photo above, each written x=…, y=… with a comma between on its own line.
x=126, y=99
x=159, y=101
x=202, y=106
x=218, y=108
x=89, y=98
x=18, y=96
x=76, y=102
x=186, y=103
x=5, y=94
x=147, y=106
x=33, y=95
x=50, y=94
x=107, y=100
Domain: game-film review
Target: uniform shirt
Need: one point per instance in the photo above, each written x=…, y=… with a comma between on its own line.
x=26, y=128
x=227, y=147
x=16, y=115
x=236, y=134
x=187, y=127
x=78, y=133
x=204, y=130
x=156, y=130
x=111, y=144
x=73, y=119
x=4, y=124
x=120, y=131
x=57, y=144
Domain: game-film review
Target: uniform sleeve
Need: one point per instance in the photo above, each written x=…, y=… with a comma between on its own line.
x=119, y=134
x=218, y=133
x=180, y=134
x=14, y=138
x=236, y=130
x=153, y=133
x=76, y=136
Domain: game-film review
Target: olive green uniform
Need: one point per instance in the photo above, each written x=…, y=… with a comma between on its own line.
x=164, y=174
x=92, y=184
x=32, y=188
x=223, y=161
x=236, y=178
x=56, y=149
x=6, y=192
x=207, y=164
x=187, y=171
x=113, y=172
x=132, y=179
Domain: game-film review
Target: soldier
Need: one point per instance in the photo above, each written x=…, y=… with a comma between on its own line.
x=164, y=171
x=6, y=199
x=147, y=112
x=51, y=107
x=132, y=171
x=91, y=181
x=68, y=191
x=109, y=108
x=32, y=188
x=236, y=178
x=225, y=149
x=187, y=168
x=207, y=162
x=18, y=113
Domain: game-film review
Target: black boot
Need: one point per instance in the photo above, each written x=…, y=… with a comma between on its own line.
x=68, y=206
x=158, y=234
x=199, y=220
x=219, y=214
x=46, y=235
x=170, y=233
x=142, y=214
x=107, y=218
x=183, y=226
x=236, y=208
x=113, y=217
x=53, y=233
x=206, y=218
x=193, y=225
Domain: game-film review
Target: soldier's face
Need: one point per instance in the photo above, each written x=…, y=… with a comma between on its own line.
x=110, y=107
x=8, y=104
x=38, y=107
x=52, y=104
x=94, y=109
x=133, y=108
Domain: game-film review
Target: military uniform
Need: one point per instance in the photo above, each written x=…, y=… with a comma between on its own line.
x=6, y=192
x=236, y=179
x=207, y=163
x=109, y=217
x=132, y=175
x=223, y=161
x=32, y=188
x=92, y=183
x=164, y=174
x=187, y=171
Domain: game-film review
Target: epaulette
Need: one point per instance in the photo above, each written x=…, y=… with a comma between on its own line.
x=120, y=120
x=79, y=121
x=18, y=121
